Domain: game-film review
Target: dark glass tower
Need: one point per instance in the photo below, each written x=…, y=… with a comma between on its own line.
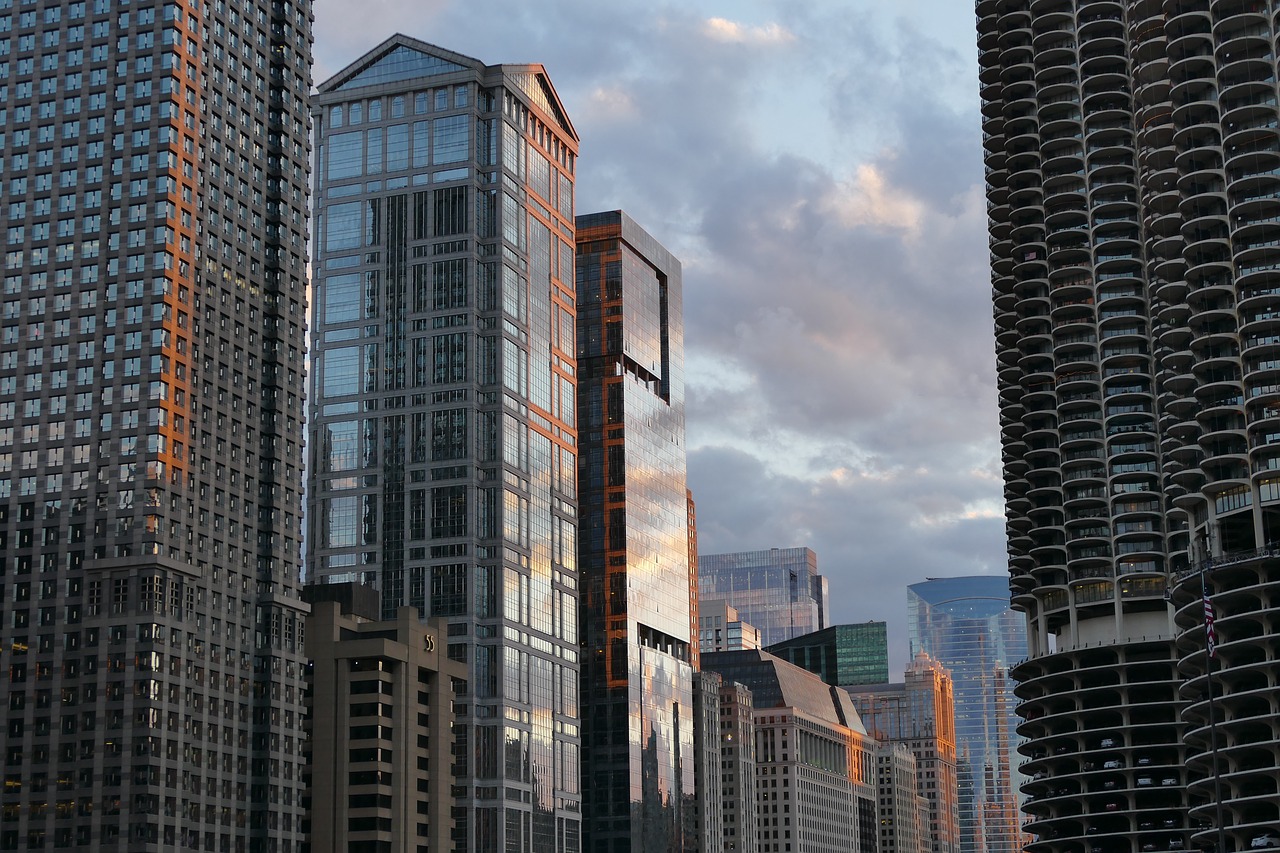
x=637, y=679
x=154, y=193
x=443, y=430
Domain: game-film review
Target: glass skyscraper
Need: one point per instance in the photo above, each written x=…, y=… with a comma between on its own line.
x=637, y=675
x=967, y=624
x=444, y=467
x=779, y=590
x=841, y=654
x=154, y=193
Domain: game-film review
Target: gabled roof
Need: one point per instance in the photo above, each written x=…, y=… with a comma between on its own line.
x=402, y=58
x=534, y=82
x=399, y=58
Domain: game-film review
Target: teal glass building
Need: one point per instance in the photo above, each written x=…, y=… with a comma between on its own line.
x=842, y=655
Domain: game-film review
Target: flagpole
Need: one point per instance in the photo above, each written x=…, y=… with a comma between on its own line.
x=1210, y=642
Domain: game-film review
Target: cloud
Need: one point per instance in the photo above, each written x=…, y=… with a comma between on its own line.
x=724, y=30
x=824, y=193
x=866, y=200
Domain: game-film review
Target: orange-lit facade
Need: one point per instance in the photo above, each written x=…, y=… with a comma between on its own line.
x=151, y=365
x=637, y=673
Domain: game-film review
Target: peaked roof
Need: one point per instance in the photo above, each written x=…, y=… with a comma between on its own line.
x=534, y=82
x=403, y=57
x=399, y=58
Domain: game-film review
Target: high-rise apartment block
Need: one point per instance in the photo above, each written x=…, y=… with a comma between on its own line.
x=380, y=713
x=919, y=712
x=778, y=590
x=841, y=654
x=443, y=434
x=633, y=552
x=1131, y=159
x=154, y=197
x=968, y=625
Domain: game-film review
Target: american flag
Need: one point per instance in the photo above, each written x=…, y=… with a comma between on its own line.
x=1210, y=636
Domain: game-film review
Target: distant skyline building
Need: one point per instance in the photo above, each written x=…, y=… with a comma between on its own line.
x=904, y=812
x=919, y=712
x=778, y=590
x=841, y=654
x=443, y=426
x=738, y=773
x=721, y=630
x=816, y=764
x=637, y=694
x=155, y=192
x=968, y=624
x=708, y=773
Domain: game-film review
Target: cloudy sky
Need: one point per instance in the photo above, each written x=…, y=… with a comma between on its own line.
x=817, y=167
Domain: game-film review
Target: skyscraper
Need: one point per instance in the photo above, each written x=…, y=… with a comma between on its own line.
x=778, y=590
x=154, y=194
x=444, y=461
x=841, y=654
x=633, y=555
x=967, y=624
x=919, y=712
x=1131, y=154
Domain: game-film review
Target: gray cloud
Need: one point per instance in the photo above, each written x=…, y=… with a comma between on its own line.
x=819, y=173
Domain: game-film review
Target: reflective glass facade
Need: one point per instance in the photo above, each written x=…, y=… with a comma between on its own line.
x=154, y=198
x=637, y=676
x=443, y=430
x=841, y=654
x=968, y=625
x=778, y=591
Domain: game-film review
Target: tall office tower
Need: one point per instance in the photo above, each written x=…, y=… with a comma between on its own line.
x=444, y=467
x=815, y=780
x=904, y=812
x=154, y=195
x=778, y=590
x=708, y=776
x=919, y=712
x=1131, y=154
x=841, y=654
x=633, y=555
x=968, y=625
x=380, y=718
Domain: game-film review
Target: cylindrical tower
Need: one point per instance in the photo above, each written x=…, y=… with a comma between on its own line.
x=1133, y=168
